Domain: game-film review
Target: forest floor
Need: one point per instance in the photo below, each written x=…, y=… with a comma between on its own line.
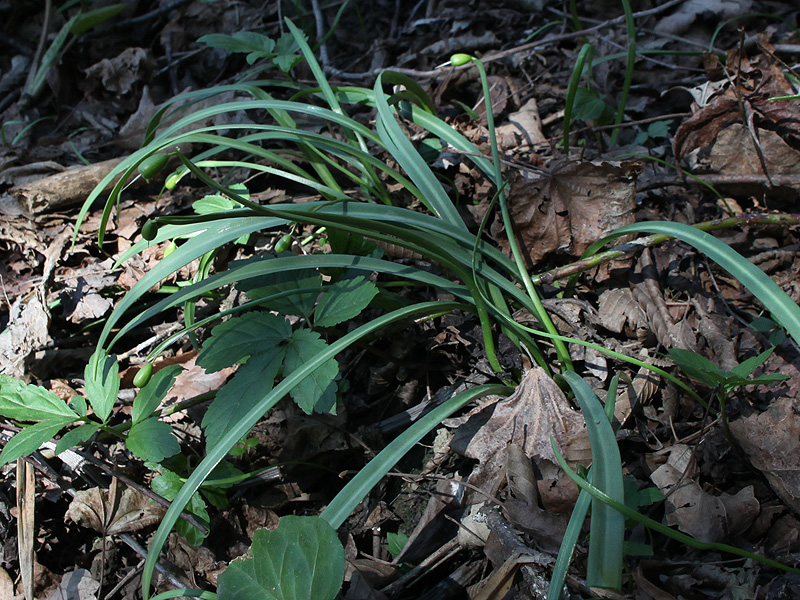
x=699, y=99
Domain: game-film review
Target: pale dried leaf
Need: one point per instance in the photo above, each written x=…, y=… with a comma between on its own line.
x=693, y=510
x=535, y=412
x=770, y=441
x=76, y=585
x=523, y=130
x=573, y=205
x=617, y=307
x=100, y=510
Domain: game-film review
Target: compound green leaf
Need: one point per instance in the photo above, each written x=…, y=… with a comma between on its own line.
x=102, y=383
x=29, y=439
x=344, y=300
x=76, y=436
x=297, y=303
x=256, y=45
x=236, y=339
x=317, y=392
x=28, y=402
x=152, y=440
x=253, y=379
x=301, y=558
x=150, y=396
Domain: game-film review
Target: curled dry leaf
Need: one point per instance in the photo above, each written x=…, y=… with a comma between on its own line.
x=528, y=418
x=741, y=131
x=705, y=517
x=119, y=509
x=569, y=207
x=769, y=440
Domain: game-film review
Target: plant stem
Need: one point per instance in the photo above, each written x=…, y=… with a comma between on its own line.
x=539, y=311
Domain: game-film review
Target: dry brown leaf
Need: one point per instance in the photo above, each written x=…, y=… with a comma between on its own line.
x=742, y=131
x=119, y=74
x=648, y=293
x=76, y=585
x=770, y=440
x=618, y=307
x=569, y=207
x=523, y=130
x=529, y=417
x=119, y=509
x=693, y=510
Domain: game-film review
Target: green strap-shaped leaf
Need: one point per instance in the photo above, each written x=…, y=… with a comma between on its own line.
x=782, y=307
x=607, y=530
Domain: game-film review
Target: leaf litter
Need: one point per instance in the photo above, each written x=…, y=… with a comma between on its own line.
x=667, y=297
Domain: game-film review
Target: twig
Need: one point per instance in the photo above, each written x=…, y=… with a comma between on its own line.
x=323, y=47
x=493, y=56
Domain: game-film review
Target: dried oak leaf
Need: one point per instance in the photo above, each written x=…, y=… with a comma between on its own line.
x=119, y=509
x=705, y=517
x=740, y=131
x=770, y=440
x=535, y=412
x=570, y=206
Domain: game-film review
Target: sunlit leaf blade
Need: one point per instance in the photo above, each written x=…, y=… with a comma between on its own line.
x=241, y=393
x=29, y=439
x=102, y=383
x=607, y=529
x=301, y=558
x=344, y=300
x=152, y=440
x=236, y=339
x=28, y=402
x=150, y=396
x=316, y=393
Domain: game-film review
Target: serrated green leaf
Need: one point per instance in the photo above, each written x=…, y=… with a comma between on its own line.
x=217, y=203
x=589, y=105
x=697, y=366
x=301, y=558
x=29, y=439
x=746, y=367
x=299, y=303
x=236, y=339
x=78, y=404
x=236, y=398
x=396, y=542
x=76, y=436
x=255, y=44
x=344, y=300
x=102, y=383
x=167, y=484
x=28, y=402
x=152, y=440
x=317, y=392
x=150, y=396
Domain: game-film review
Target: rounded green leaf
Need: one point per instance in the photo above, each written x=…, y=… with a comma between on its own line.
x=301, y=558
